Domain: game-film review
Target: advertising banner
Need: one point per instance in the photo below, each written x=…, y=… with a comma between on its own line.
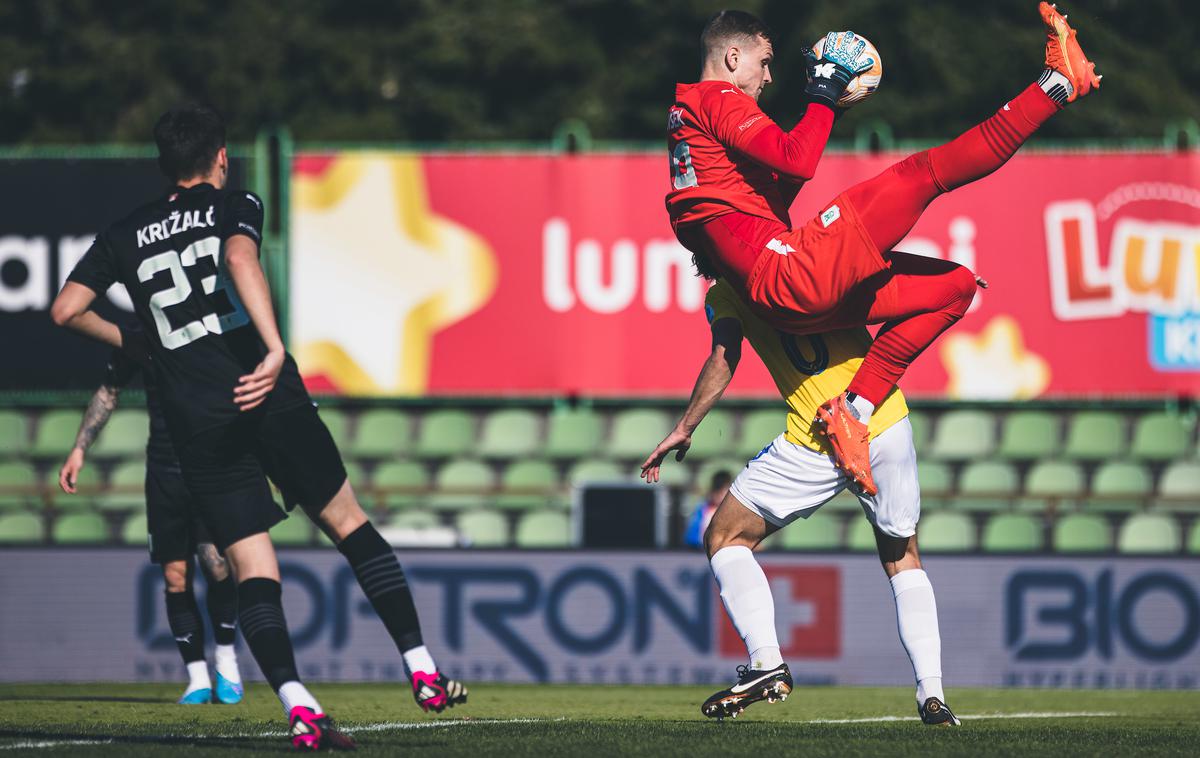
x=597, y=617
x=417, y=274
x=52, y=210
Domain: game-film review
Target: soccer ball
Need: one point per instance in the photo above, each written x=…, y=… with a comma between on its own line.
x=861, y=86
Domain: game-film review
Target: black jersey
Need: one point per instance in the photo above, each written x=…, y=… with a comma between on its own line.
x=121, y=370
x=169, y=254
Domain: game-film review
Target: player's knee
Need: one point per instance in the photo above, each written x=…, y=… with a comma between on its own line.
x=962, y=285
x=175, y=576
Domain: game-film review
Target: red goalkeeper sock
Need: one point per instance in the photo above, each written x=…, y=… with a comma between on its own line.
x=986, y=147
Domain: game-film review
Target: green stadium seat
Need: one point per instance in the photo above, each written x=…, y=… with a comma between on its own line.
x=1055, y=479
x=382, y=433
x=21, y=528
x=79, y=529
x=1181, y=479
x=843, y=502
x=714, y=436
x=88, y=485
x=704, y=475
x=545, y=529
x=1029, y=435
x=1149, y=533
x=510, y=433
x=1193, y=542
x=673, y=473
x=820, y=531
x=357, y=476
x=987, y=486
x=414, y=519
x=636, y=432
x=1013, y=533
x=572, y=433
x=964, y=435
x=921, y=426
x=134, y=531
x=482, y=528
x=935, y=478
x=338, y=424
x=1120, y=487
x=294, y=531
x=14, y=434
x=946, y=531
x=1094, y=436
x=463, y=484
x=18, y=485
x=1161, y=437
x=528, y=484
x=446, y=433
x=400, y=484
x=1082, y=533
x=860, y=536
x=126, y=489
x=593, y=472
x=56, y=432
x=124, y=436
x=758, y=429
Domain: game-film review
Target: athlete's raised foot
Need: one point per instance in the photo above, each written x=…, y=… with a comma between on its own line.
x=752, y=686
x=435, y=692
x=1064, y=55
x=849, y=439
x=315, y=731
x=936, y=713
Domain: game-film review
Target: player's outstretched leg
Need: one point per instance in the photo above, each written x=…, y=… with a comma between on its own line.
x=183, y=617
x=260, y=611
x=746, y=595
x=382, y=580
x=221, y=602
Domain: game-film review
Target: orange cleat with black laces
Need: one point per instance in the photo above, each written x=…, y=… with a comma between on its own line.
x=849, y=439
x=1064, y=55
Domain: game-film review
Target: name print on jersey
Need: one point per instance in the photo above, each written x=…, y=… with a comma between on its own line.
x=176, y=223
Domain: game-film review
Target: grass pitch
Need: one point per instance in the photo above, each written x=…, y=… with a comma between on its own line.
x=131, y=720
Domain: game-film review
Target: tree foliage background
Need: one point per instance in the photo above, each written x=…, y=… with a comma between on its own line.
x=455, y=70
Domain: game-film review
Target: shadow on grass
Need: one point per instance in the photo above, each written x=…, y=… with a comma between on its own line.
x=84, y=699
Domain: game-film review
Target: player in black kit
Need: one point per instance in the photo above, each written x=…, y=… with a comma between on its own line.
x=235, y=407
x=175, y=532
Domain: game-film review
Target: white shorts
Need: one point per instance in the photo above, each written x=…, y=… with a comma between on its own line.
x=787, y=481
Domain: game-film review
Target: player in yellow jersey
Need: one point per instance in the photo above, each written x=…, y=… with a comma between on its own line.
x=791, y=478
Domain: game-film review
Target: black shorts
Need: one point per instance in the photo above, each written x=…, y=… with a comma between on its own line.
x=174, y=526
x=226, y=470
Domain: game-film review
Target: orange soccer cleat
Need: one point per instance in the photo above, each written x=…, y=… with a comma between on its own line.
x=1064, y=55
x=849, y=439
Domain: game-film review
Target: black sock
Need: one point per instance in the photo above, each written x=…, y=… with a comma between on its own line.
x=222, y=604
x=382, y=580
x=261, y=614
x=183, y=616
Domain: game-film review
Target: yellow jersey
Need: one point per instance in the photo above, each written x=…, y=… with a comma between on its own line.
x=808, y=369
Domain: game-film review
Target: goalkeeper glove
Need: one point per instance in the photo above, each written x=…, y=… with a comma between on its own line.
x=842, y=59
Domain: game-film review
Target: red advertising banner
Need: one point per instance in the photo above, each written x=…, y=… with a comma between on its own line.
x=529, y=274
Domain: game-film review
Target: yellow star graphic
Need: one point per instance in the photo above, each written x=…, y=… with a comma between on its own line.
x=993, y=365
x=375, y=274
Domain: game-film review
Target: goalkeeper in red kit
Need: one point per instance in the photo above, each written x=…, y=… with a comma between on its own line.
x=735, y=173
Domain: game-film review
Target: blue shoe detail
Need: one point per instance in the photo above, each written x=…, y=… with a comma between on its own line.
x=197, y=697
x=228, y=692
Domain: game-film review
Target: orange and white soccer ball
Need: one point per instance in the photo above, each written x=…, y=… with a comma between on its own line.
x=862, y=86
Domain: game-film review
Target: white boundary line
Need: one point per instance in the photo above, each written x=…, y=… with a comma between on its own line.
x=388, y=726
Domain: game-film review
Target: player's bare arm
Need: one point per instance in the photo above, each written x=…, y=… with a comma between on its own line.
x=714, y=377
x=100, y=409
x=241, y=260
x=72, y=309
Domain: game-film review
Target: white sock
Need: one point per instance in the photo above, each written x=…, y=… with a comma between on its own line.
x=747, y=597
x=198, y=677
x=1056, y=86
x=864, y=407
x=293, y=694
x=226, y=663
x=916, y=616
x=418, y=659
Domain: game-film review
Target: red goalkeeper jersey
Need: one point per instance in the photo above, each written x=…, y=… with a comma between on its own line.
x=728, y=156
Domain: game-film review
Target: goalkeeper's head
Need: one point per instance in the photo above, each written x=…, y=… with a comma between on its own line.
x=735, y=46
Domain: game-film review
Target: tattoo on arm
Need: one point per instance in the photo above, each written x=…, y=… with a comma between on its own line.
x=101, y=406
